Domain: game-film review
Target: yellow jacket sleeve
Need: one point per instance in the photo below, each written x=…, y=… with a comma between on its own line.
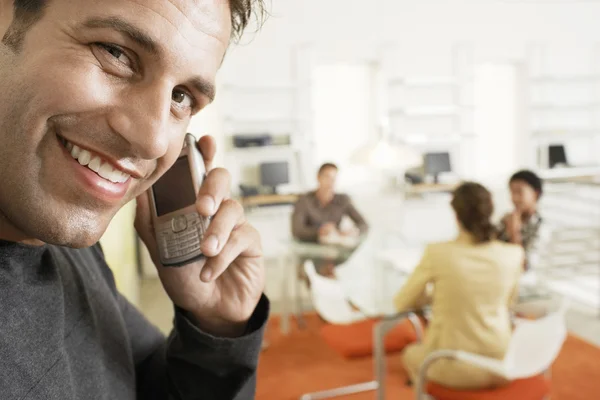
x=414, y=293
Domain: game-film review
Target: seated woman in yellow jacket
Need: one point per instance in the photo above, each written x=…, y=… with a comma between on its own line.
x=473, y=282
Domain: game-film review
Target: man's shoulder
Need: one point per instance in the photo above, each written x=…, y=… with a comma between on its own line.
x=342, y=198
x=306, y=198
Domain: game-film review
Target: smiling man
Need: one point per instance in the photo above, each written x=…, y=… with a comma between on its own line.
x=95, y=100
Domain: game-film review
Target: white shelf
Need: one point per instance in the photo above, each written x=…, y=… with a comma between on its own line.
x=564, y=132
x=259, y=88
x=565, y=79
x=261, y=120
x=431, y=138
x=434, y=81
x=564, y=107
x=426, y=111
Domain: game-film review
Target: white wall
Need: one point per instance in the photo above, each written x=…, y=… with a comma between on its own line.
x=343, y=119
x=495, y=154
x=355, y=30
x=416, y=37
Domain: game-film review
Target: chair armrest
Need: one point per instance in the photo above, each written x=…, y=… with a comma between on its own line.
x=490, y=364
x=389, y=322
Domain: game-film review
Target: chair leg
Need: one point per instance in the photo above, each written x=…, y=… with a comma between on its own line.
x=548, y=375
x=341, y=391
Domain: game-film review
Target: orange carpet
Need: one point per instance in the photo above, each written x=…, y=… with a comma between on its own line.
x=301, y=362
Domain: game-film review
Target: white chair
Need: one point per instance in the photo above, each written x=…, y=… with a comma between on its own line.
x=330, y=301
x=534, y=346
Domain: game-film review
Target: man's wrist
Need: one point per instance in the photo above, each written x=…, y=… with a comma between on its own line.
x=218, y=327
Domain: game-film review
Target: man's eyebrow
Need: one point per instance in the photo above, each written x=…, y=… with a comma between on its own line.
x=133, y=32
x=205, y=87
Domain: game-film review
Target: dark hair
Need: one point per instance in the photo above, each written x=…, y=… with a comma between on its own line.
x=28, y=12
x=325, y=166
x=474, y=207
x=529, y=178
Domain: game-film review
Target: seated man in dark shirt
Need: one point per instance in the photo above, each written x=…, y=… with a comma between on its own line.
x=95, y=101
x=318, y=215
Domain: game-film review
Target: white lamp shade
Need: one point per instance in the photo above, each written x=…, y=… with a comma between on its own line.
x=383, y=155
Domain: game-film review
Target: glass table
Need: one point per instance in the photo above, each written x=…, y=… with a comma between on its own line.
x=370, y=275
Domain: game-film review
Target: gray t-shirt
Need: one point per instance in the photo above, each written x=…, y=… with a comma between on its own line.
x=67, y=334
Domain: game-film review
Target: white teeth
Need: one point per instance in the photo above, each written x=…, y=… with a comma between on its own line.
x=84, y=157
x=96, y=164
x=75, y=151
x=108, y=172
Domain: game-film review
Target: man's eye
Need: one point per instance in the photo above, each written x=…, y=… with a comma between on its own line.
x=117, y=53
x=182, y=99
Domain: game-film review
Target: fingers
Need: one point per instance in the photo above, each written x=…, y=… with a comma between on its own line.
x=229, y=216
x=213, y=191
x=208, y=148
x=244, y=241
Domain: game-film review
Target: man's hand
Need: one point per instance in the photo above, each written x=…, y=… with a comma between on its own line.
x=222, y=290
x=327, y=229
x=351, y=232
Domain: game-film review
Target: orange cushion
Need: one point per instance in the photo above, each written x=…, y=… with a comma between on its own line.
x=356, y=340
x=535, y=388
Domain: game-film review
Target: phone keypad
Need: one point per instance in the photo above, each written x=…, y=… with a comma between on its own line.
x=178, y=242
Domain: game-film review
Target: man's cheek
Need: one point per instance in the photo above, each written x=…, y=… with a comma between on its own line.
x=79, y=90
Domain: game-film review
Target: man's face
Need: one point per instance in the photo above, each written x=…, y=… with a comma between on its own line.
x=119, y=79
x=327, y=179
x=523, y=196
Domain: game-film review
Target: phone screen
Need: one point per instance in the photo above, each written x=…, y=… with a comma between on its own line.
x=175, y=189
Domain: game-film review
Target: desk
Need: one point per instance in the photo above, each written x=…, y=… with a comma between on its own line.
x=569, y=174
x=582, y=180
x=424, y=188
x=264, y=200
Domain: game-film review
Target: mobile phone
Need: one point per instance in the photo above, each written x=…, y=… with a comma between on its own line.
x=178, y=227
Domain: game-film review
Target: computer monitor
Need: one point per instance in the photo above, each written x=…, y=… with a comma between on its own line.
x=437, y=163
x=556, y=155
x=273, y=174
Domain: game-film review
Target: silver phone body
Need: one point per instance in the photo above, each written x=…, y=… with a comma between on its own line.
x=178, y=227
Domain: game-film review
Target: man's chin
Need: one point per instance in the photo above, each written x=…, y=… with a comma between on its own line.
x=79, y=242
x=76, y=236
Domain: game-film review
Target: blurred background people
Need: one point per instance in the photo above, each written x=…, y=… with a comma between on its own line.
x=524, y=225
x=470, y=283
x=318, y=214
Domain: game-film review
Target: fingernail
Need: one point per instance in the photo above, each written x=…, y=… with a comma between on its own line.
x=211, y=243
x=206, y=275
x=207, y=203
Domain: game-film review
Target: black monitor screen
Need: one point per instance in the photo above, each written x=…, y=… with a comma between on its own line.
x=274, y=174
x=436, y=163
x=175, y=189
x=556, y=155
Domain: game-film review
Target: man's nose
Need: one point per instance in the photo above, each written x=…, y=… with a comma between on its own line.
x=143, y=119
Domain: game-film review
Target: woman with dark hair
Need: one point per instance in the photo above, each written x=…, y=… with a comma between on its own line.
x=524, y=225
x=471, y=283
